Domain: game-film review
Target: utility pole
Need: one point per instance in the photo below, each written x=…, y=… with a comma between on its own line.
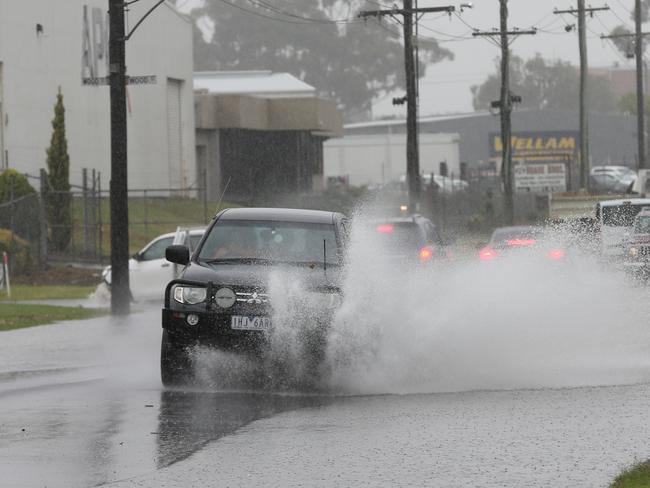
x=640, y=95
x=410, y=63
x=412, y=140
x=505, y=107
x=581, y=11
x=120, y=291
x=506, y=115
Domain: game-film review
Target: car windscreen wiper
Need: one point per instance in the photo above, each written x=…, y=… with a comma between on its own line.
x=312, y=264
x=237, y=261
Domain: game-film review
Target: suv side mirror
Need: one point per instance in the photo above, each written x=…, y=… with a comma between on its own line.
x=177, y=254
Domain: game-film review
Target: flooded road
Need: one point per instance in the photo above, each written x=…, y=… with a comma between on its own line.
x=82, y=406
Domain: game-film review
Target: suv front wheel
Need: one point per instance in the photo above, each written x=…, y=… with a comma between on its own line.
x=175, y=362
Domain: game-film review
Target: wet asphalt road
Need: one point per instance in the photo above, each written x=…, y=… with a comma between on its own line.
x=82, y=406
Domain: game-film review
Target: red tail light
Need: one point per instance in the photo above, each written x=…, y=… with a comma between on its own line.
x=520, y=242
x=487, y=253
x=556, y=254
x=385, y=228
x=425, y=254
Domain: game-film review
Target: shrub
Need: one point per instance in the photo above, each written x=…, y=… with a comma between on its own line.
x=20, y=259
x=23, y=215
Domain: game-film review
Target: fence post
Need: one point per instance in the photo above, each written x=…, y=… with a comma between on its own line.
x=84, y=189
x=146, y=217
x=93, y=215
x=205, y=196
x=12, y=226
x=100, y=223
x=42, y=215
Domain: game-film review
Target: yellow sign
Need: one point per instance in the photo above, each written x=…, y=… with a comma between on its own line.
x=537, y=145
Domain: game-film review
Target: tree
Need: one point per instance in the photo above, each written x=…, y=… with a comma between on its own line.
x=21, y=207
x=545, y=84
x=627, y=104
x=626, y=44
x=58, y=197
x=350, y=62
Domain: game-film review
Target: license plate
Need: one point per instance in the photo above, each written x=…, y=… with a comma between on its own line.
x=244, y=322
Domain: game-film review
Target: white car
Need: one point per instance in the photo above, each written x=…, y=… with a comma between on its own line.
x=149, y=271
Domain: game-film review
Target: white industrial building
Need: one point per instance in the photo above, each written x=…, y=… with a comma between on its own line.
x=376, y=159
x=47, y=44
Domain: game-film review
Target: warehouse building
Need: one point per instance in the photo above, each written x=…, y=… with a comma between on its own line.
x=260, y=134
x=47, y=44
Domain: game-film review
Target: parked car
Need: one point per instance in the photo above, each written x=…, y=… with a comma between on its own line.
x=409, y=239
x=149, y=271
x=222, y=299
x=528, y=241
x=611, y=179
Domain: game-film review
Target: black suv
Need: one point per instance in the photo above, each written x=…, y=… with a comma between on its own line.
x=222, y=298
x=411, y=238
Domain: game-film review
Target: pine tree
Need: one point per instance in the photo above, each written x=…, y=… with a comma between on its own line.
x=59, y=198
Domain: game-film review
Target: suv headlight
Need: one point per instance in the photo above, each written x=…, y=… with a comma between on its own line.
x=190, y=295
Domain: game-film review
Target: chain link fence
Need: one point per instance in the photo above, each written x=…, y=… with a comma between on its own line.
x=85, y=235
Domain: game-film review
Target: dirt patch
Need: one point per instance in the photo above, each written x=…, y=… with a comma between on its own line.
x=60, y=275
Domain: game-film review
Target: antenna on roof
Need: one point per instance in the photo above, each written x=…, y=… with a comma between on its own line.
x=225, y=188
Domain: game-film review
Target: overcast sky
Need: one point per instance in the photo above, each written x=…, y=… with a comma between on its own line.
x=446, y=87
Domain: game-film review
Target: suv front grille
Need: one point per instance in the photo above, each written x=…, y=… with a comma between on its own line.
x=252, y=297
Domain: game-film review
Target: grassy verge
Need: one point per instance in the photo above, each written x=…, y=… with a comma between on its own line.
x=637, y=476
x=18, y=316
x=46, y=292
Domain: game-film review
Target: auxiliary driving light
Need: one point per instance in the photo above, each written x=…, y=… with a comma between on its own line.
x=192, y=319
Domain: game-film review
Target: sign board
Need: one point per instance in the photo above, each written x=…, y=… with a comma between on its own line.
x=543, y=146
x=130, y=80
x=540, y=178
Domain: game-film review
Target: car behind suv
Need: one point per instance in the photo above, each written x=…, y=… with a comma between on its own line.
x=222, y=298
x=412, y=239
x=149, y=271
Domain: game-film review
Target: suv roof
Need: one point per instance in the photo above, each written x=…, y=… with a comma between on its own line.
x=278, y=214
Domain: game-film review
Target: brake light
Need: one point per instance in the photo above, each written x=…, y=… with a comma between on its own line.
x=385, y=228
x=487, y=253
x=425, y=254
x=520, y=242
x=556, y=254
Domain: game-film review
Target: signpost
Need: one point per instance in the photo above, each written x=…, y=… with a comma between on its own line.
x=544, y=159
x=4, y=274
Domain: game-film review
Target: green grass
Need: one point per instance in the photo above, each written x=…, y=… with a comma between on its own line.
x=637, y=476
x=148, y=218
x=18, y=316
x=46, y=292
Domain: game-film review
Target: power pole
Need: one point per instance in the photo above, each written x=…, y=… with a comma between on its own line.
x=120, y=292
x=505, y=107
x=410, y=63
x=506, y=116
x=412, y=142
x=640, y=95
x=584, y=121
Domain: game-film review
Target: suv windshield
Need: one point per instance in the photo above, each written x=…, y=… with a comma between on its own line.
x=287, y=242
x=620, y=215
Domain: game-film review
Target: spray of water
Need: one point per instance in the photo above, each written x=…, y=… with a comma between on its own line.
x=522, y=321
